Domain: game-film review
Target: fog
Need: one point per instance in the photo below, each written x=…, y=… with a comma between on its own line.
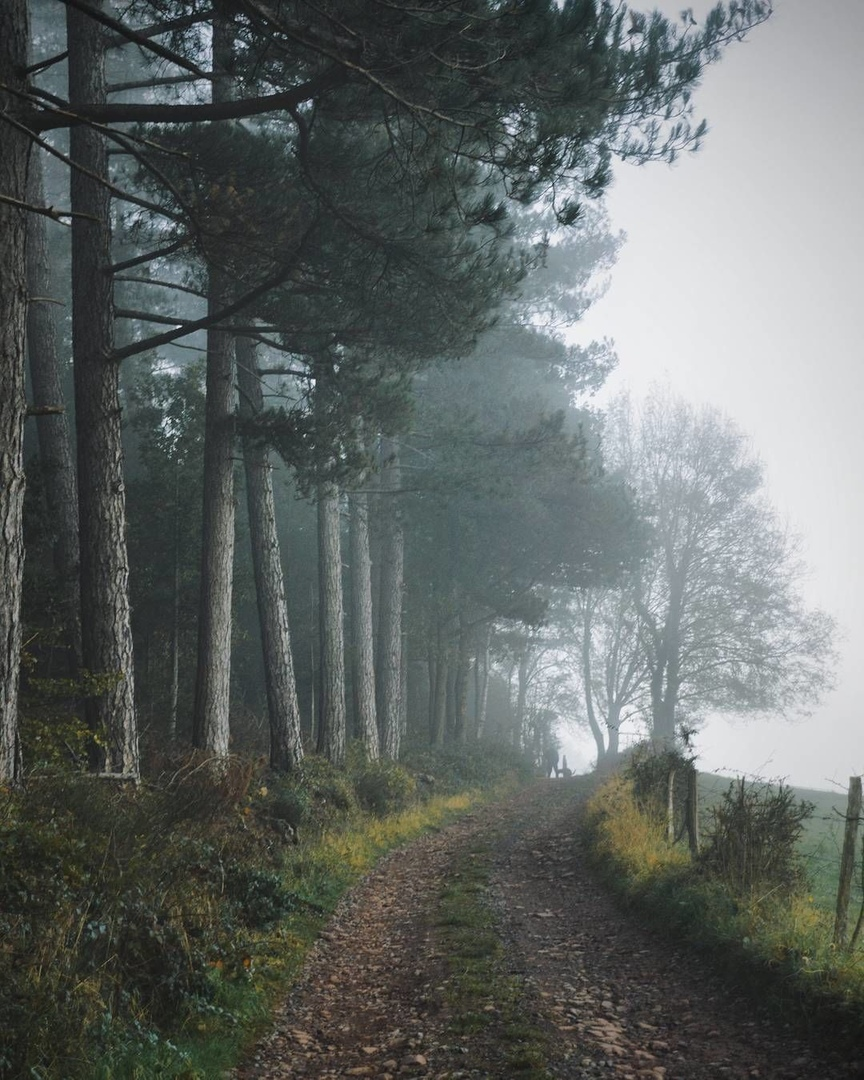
x=740, y=285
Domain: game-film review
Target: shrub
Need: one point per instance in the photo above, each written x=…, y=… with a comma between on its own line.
x=651, y=769
x=330, y=791
x=287, y=800
x=384, y=787
x=258, y=897
x=752, y=839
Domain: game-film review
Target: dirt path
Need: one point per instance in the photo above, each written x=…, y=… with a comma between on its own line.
x=615, y=1000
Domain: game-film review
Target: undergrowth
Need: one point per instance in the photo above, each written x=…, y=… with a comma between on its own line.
x=146, y=931
x=758, y=921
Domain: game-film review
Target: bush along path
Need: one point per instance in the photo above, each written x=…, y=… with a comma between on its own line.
x=487, y=950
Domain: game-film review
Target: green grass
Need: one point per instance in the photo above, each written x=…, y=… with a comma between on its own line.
x=483, y=999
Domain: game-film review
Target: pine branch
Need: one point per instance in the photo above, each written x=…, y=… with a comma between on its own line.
x=186, y=114
x=136, y=37
x=193, y=325
x=154, y=29
x=214, y=319
x=118, y=193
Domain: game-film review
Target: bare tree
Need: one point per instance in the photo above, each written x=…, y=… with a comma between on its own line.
x=613, y=667
x=722, y=620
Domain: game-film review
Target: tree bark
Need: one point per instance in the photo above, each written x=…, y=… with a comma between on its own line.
x=210, y=722
x=390, y=605
x=286, y=746
x=438, y=679
x=14, y=41
x=363, y=660
x=521, y=695
x=105, y=610
x=211, y=715
x=613, y=726
x=481, y=685
x=463, y=666
x=331, y=677
x=55, y=444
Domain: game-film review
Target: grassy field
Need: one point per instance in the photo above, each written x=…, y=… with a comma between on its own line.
x=820, y=845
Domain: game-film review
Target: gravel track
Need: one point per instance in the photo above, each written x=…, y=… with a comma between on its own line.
x=615, y=999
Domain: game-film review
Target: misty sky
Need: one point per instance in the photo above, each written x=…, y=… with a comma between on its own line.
x=740, y=285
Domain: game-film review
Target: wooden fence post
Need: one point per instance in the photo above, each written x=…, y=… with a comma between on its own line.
x=693, y=811
x=847, y=861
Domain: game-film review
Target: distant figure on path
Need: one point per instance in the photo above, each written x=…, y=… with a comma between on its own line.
x=550, y=761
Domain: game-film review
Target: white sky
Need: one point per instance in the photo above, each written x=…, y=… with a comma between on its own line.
x=741, y=285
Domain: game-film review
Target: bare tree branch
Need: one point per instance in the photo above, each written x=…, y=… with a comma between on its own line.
x=45, y=211
x=136, y=36
x=183, y=114
x=162, y=285
x=150, y=256
x=42, y=65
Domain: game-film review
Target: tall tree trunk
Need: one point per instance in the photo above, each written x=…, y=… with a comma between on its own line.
x=664, y=700
x=363, y=660
x=438, y=689
x=463, y=666
x=105, y=610
x=286, y=746
x=14, y=40
x=450, y=700
x=430, y=691
x=481, y=684
x=52, y=426
x=174, y=694
x=174, y=647
x=210, y=720
x=521, y=695
x=331, y=678
x=390, y=605
x=613, y=725
x=403, y=691
x=587, y=683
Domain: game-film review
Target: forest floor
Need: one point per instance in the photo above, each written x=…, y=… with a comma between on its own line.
x=598, y=994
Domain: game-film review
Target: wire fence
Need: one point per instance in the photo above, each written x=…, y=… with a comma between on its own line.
x=821, y=843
